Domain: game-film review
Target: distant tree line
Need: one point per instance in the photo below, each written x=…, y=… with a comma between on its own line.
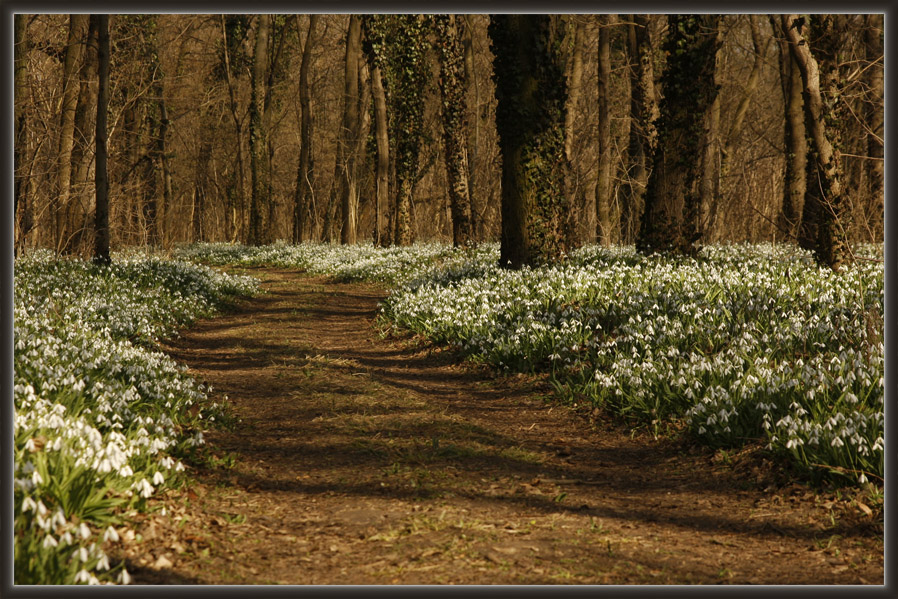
x=542, y=131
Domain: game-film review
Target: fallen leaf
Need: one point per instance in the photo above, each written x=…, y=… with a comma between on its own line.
x=865, y=508
x=162, y=562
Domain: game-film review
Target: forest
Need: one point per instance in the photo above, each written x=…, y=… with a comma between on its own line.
x=343, y=128
x=448, y=299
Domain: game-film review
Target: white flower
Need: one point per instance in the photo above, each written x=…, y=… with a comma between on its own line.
x=124, y=577
x=158, y=479
x=49, y=541
x=111, y=535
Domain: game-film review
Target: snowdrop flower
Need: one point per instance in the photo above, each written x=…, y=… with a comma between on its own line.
x=111, y=535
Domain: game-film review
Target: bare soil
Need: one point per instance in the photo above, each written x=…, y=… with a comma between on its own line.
x=361, y=458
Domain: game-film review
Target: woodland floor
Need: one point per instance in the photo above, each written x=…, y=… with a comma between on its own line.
x=363, y=459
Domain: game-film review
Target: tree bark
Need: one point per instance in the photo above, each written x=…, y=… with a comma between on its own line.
x=408, y=48
x=531, y=91
x=670, y=220
x=873, y=45
x=238, y=207
x=382, y=173
x=604, y=226
x=351, y=132
x=258, y=225
x=576, y=185
x=472, y=131
x=795, y=144
x=305, y=170
x=643, y=113
x=825, y=194
x=21, y=210
x=70, y=89
x=82, y=208
x=712, y=168
x=101, y=236
x=452, y=88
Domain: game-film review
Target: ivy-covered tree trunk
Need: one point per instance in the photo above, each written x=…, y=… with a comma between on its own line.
x=531, y=92
x=825, y=199
x=795, y=143
x=452, y=91
x=305, y=170
x=406, y=86
x=670, y=220
x=101, y=178
x=259, y=171
x=643, y=113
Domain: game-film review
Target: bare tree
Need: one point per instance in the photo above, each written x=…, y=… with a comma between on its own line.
x=21, y=211
x=348, y=149
x=101, y=248
x=873, y=45
x=305, y=170
x=452, y=86
x=70, y=88
x=824, y=197
x=795, y=145
x=643, y=114
x=604, y=188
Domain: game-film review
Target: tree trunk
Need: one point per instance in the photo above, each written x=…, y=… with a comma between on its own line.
x=709, y=184
x=575, y=186
x=452, y=91
x=472, y=131
x=21, y=211
x=351, y=132
x=531, y=91
x=70, y=89
x=824, y=194
x=258, y=225
x=795, y=143
x=643, y=113
x=82, y=208
x=604, y=226
x=410, y=73
x=153, y=209
x=167, y=195
x=382, y=193
x=670, y=220
x=101, y=236
x=304, y=172
x=873, y=45
x=238, y=207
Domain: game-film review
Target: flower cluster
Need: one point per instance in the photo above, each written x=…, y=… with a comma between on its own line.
x=743, y=343
x=361, y=262
x=100, y=416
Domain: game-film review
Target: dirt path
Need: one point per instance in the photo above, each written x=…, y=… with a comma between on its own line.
x=362, y=460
